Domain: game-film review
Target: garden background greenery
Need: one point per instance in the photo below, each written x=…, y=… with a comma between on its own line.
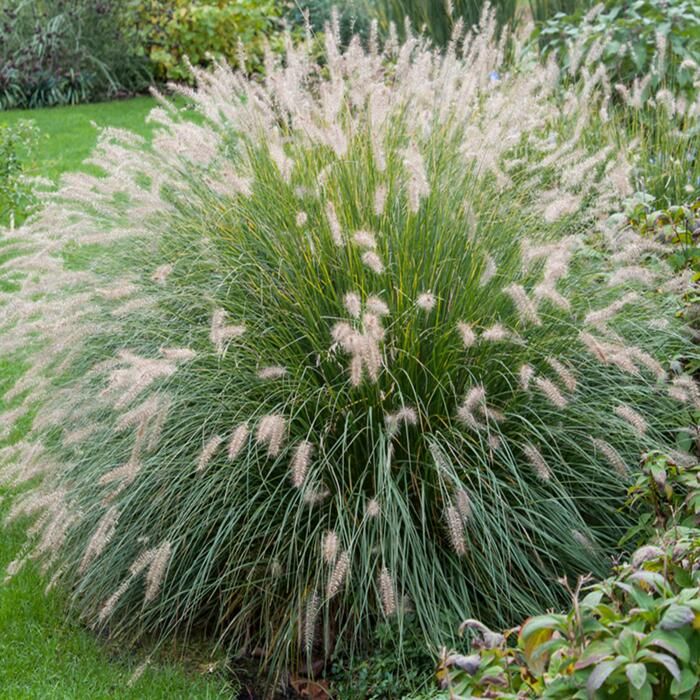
x=58, y=57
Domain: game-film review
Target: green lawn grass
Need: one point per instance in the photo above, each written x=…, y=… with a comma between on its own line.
x=43, y=654
x=69, y=133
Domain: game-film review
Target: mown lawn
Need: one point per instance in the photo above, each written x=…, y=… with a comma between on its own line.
x=43, y=655
x=69, y=134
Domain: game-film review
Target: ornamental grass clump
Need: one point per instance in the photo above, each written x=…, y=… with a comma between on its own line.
x=338, y=351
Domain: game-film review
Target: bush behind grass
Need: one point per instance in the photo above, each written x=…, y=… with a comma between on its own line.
x=285, y=422
x=169, y=34
x=55, y=53
x=651, y=52
x=656, y=42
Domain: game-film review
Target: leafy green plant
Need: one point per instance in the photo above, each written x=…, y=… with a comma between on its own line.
x=16, y=193
x=633, y=635
x=171, y=33
x=666, y=494
x=646, y=54
x=56, y=52
x=677, y=225
x=382, y=675
x=334, y=354
x=654, y=41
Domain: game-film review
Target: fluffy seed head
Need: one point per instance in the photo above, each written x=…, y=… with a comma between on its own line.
x=467, y=334
x=549, y=389
x=220, y=333
x=373, y=261
x=380, y=200
x=612, y=455
x=426, y=301
x=495, y=334
x=464, y=503
x=455, y=529
x=377, y=307
x=101, y=538
x=161, y=274
x=632, y=273
x=583, y=540
x=334, y=224
x=386, y=592
x=489, y=271
x=178, y=354
x=352, y=304
x=602, y=316
x=312, y=606
x=373, y=509
x=301, y=461
x=525, y=375
x=364, y=239
x=208, y=452
x=156, y=571
x=272, y=372
x=329, y=546
x=406, y=415
x=418, y=186
x=632, y=417
x=566, y=376
x=538, y=462
x=338, y=575
x=548, y=292
x=271, y=431
x=526, y=308
x=237, y=441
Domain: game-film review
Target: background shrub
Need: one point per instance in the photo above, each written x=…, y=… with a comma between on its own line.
x=58, y=52
x=16, y=193
x=654, y=41
x=339, y=352
x=170, y=31
x=650, y=52
x=678, y=224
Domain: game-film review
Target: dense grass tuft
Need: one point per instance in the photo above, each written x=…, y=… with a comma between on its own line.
x=343, y=350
